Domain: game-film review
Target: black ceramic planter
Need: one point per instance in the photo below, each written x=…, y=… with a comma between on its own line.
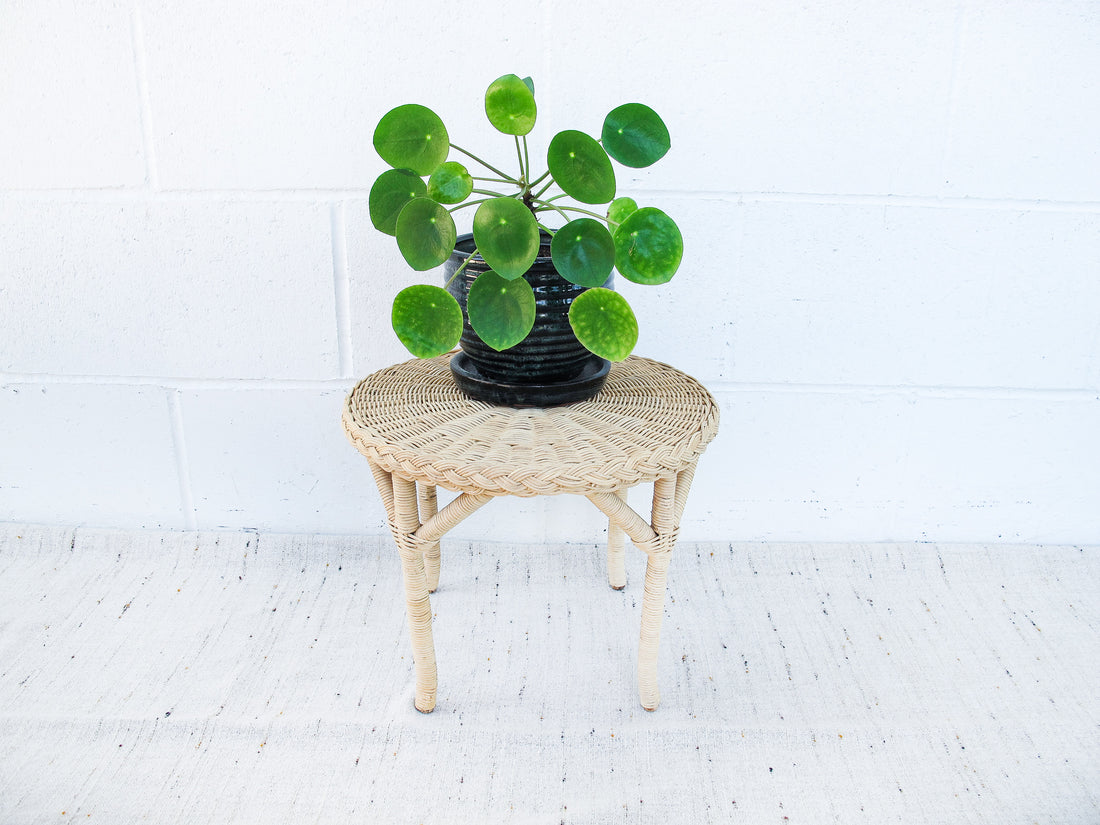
x=547, y=368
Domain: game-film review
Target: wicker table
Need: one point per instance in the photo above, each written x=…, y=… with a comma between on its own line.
x=650, y=423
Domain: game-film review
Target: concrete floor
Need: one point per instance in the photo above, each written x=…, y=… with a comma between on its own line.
x=254, y=678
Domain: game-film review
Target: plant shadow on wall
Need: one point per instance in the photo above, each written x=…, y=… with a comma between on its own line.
x=529, y=293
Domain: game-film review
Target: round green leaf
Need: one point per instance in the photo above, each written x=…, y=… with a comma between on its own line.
x=635, y=135
x=412, y=137
x=502, y=312
x=393, y=189
x=603, y=322
x=581, y=167
x=510, y=105
x=583, y=252
x=450, y=183
x=648, y=247
x=621, y=209
x=427, y=320
x=426, y=233
x=507, y=236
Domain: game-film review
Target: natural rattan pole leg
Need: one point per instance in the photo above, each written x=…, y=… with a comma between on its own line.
x=616, y=554
x=417, y=605
x=653, y=605
x=666, y=526
x=429, y=506
x=385, y=488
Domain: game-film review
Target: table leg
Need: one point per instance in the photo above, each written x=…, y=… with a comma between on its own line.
x=649, y=642
x=417, y=605
x=405, y=505
x=657, y=539
x=429, y=506
x=664, y=524
x=616, y=554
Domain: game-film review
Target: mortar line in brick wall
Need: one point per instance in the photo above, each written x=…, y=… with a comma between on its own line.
x=905, y=201
x=716, y=387
x=342, y=288
x=183, y=464
x=174, y=383
x=140, y=195
x=911, y=390
x=135, y=195
x=141, y=71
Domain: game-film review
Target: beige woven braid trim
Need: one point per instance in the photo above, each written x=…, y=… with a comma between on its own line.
x=650, y=421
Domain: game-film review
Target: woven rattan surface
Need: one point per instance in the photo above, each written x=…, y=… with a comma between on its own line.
x=650, y=421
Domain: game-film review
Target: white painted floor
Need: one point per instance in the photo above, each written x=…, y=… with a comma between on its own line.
x=244, y=678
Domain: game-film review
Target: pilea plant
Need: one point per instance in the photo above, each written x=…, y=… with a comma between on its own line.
x=415, y=199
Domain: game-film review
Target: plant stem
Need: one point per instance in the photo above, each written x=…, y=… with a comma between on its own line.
x=522, y=170
x=491, y=168
x=489, y=192
x=491, y=180
x=548, y=185
x=460, y=269
x=603, y=218
x=550, y=207
x=526, y=160
x=469, y=203
x=541, y=177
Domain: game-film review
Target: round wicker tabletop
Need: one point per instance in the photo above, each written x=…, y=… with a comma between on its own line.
x=650, y=421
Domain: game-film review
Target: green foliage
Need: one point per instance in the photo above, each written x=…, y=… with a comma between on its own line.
x=620, y=209
x=510, y=105
x=583, y=252
x=648, y=247
x=634, y=135
x=603, y=321
x=513, y=211
x=426, y=233
x=507, y=236
x=449, y=183
x=412, y=137
x=502, y=312
x=581, y=167
x=393, y=189
x=427, y=320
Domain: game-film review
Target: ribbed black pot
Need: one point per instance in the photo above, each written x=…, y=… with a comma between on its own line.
x=547, y=368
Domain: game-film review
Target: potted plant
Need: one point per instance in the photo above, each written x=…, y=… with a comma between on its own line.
x=528, y=292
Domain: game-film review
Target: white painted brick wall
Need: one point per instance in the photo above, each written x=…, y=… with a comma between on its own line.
x=89, y=454
x=891, y=281
x=188, y=289
x=917, y=295
x=248, y=468
x=70, y=113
